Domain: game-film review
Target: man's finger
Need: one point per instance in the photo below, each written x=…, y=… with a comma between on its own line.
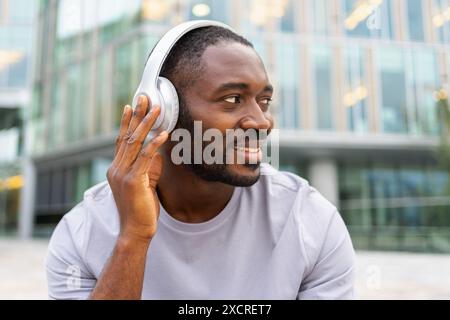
x=124, y=124
x=135, y=142
x=143, y=160
x=146, y=125
x=138, y=113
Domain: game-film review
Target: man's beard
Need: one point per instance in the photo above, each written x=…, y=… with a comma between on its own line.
x=216, y=172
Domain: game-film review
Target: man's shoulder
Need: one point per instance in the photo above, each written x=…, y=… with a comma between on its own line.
x=97, y=196
x=310, y=209
x=281, y=180
x=284, y=185
x=97, y=210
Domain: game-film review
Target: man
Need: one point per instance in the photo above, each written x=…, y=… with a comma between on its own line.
x=158, y=230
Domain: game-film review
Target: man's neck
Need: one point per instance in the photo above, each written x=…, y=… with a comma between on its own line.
x=188, y=198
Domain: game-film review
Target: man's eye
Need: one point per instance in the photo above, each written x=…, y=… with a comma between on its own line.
x=233, y=99
x=266, y=101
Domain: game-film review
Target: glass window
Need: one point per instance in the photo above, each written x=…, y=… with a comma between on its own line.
x=99, y=169
x=18, y=73
x=120, y=16
x=36, y=136
x=84, y=98
x=21, y=11
x=15, y=42
x=447, y=75
x=368, y=19
x=42, y=44
x=323, y=87
x=285, y=12
x=43, y=190
x=79, y=18
x=262, y=15
x=437, y=183
x=82, y=180
x=356, y=91
x=388, y=206
x=162, y=11
x=57, y=188
x=321, y=16
x=257, y=16
x=412, y=181
x=422, y=82
x=288, y=79
x=415, y=20
x=73, y=111
x=441, y=19
x=123, y=89
x=43, y=4
x=209, y=9
x=56, y=115
x=36, y=102
x=146, y=44
x=353, y=182
x=354, y=194
x=101, y=91
x=384, y=185
x=393, y=92
x=69, y=17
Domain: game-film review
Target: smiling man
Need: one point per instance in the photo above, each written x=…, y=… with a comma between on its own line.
x=160, y=230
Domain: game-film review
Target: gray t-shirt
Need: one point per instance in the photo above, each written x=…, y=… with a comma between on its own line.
x=278, y=239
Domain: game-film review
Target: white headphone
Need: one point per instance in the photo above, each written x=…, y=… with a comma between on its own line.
x=158, y=89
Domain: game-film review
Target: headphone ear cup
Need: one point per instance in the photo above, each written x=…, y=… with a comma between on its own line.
x=169, y=104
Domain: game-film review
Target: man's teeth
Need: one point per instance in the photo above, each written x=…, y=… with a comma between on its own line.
x=250, y=150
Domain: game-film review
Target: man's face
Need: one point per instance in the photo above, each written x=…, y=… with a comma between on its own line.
x=233, y=92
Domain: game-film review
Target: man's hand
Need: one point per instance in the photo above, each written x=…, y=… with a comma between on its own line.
x=133, y=176
x=135, y=171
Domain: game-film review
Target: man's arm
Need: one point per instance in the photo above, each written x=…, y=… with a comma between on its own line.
x=333, y=275
x=133, y=177
x=68, y=277
x=123, y=275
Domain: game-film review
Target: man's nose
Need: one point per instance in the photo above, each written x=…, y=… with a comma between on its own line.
x=255, y=118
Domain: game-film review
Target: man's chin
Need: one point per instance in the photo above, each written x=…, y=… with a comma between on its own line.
x=239, y=175
x=244, y=175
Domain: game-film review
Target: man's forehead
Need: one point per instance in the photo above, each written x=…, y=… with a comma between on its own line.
x=232, y=62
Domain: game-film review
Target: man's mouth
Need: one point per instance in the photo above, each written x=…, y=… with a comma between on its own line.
x=247, y=155
x=249, y=150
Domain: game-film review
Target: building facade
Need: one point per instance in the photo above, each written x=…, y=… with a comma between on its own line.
x=358, y=85
x=16, y=31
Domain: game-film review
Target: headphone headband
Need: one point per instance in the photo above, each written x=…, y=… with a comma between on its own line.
x=160, y=52
x=158, y=89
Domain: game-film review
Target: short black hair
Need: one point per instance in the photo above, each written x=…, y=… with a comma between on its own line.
x=183, y=63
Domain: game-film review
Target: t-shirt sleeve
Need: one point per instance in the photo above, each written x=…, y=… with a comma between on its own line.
x=67, y=275
x=333, y=274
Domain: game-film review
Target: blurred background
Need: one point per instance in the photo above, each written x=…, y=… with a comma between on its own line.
x=361, y=100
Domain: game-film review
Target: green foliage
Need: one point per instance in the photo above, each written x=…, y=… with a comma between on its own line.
x=443, y=152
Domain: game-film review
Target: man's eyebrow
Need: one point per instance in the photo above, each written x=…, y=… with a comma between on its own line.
x=241, y=86
x=232, y=85
x=268, y=88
